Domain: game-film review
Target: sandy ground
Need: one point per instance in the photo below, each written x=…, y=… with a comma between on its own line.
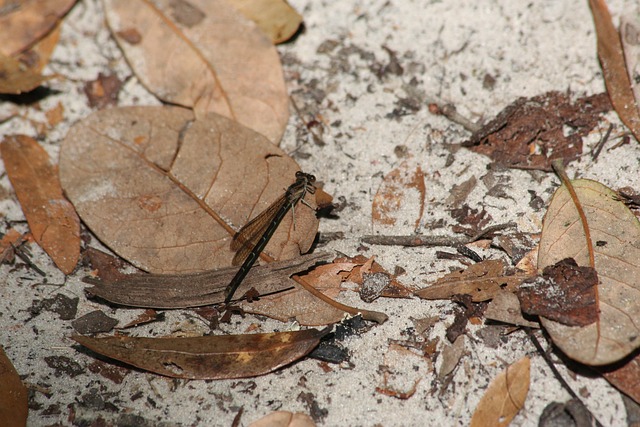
x=446, y=50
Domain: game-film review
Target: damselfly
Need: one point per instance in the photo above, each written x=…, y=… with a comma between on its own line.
x=251, y=240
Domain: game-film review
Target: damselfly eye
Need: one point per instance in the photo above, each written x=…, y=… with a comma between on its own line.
x=311, y=178
x=300, y=174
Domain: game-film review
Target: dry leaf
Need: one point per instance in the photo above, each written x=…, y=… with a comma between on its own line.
x=613, y=67
x=565, y=293
x=13, y=395
x=625, y=378
x=451, y=355
x=630, y=38
x=219, y=61
x=52, y=220
x=16, y=78
x=615, y=235
x=284, y=419
x=504, y=397
x=275, y=17
x=401, y=194
x=28, y=21
x=402, y=370
x=308, y=310
x=505, y=307
x=38, y=55
x=210, y=357
x=482, y=281
x=197, y=289
x=531, y=132
x=161, y=189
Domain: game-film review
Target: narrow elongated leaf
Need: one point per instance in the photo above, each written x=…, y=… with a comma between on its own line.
x=167, y=192
x=52, y=220
x=615, y=234
x=204, y=54
x=613, y=67
x=211, y=357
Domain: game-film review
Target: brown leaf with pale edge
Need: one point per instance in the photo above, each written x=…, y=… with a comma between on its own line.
x=13, y=395
x=504, y=397
x=402, y=191
x=28, y=22
x=615, y=235
x=482, y=281
x=210, y=357
x=52, y=220
x=275, y=17
x=161, y=189
x=284, y=419
x=613, y=67
x=205, y=55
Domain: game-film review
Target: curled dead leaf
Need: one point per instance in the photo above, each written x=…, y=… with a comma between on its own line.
x=220, y=61
x=482, y=281
x=162, y=189
x=615, y=234
x=209, y=357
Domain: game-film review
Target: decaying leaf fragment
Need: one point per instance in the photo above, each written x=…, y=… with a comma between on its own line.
x=530, y=132
x=615, y=235
x=565, y=293
x=13, y=395
x=482, y=281
x=167, y=192
x=505, y=307
x=613, y=67
x=402, y=191
x=219, y=61
x=209, y=357
x=504, y=397
x=307, y=309
x=52, y=220
x=275, y=17
x=625, y=378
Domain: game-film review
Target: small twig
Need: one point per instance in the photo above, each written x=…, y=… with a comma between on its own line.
x=556, y=373
x=20, y=254
x=450, y=112
x=433, y=241
x=600, y=145
x=309, y=128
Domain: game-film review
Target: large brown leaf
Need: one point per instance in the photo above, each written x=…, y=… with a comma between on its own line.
x=210, y=357
x=161, y=189
x=52, y=220
x=28, y=21
x=206, y=55
x=615, y=233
